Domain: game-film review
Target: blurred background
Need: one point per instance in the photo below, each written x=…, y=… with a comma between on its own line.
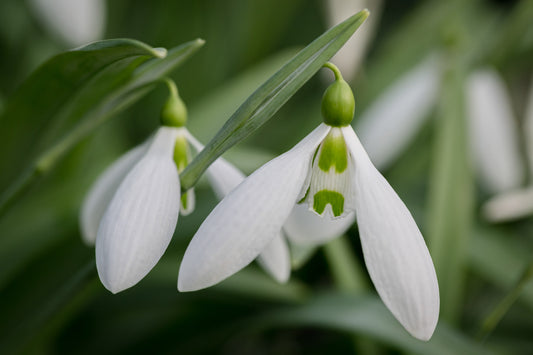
x=444, y=106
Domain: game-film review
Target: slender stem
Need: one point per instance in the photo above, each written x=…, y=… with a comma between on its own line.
x=334, y=69
x=501, y=309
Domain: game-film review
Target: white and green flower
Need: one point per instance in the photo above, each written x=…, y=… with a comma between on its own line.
x=330, y=175
x=131, y=211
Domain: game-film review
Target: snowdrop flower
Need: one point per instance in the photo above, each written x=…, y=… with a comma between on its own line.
x=132, y=210
x=516, y=203
x=74, y=21
x=392, y=121
x=330, y=174
x=388, y=126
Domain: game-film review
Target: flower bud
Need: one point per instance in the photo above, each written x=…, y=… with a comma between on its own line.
x=338, y=104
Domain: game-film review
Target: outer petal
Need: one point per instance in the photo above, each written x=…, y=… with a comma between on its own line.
x=275, y=259
x=102, y=191
x=509, y=206
x=247, y=220
x=224, y=177
x=307, y=228
x=75, y=21
x=396, y=256
x=387, y=127
x=141, y=218
x=493, y=132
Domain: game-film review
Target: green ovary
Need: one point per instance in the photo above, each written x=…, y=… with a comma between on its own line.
x=324, y=197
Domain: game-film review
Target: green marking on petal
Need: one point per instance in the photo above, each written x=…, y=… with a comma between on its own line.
x=333, y=153
x=305, y=196
x=184, y=201
x=181, y=153
x=325, y=197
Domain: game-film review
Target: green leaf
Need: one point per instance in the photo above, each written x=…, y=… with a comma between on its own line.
x=366, y=315
x=452, y=192
x=34, y=105
x=85, y=103
x=270, y=96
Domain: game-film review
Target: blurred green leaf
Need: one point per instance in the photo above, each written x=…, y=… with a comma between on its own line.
x=83, y=106
x=269, y=98
x=40, y=98
x=500, y=259
x=368, y=316
x=452, y=196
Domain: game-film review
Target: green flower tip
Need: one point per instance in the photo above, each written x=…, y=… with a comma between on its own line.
x=174, y=112
x=338, y=103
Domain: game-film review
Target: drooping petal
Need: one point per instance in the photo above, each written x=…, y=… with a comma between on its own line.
x=395, y=253
x=509, y=206
x=350, y=56
x=391, y=122
x=224, y=177
x=307, y=228
x=102, y=191
x=141, y=218
x=275, y=259
x=75, y=21
x=247, y=220
x=493, y=132
x=528, y=127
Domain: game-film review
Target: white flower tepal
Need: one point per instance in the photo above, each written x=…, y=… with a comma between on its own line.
x=330, y=173
x=140, y=220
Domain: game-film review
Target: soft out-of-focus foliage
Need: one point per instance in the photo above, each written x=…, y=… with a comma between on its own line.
x=51, y=299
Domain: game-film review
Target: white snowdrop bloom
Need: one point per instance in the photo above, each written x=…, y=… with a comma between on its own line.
x=76, y=22
x=132, y=210
x=351, y=55
x=388, y=126
x=493, y=132
x=516, y=203
x=330, y=174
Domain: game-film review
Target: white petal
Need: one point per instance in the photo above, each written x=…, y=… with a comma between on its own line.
x=395, y=253
x=75, y=21
x=528, y=127
x=390, y=123
x=307, y=228
x=246, y=221
x=493, y=132
x=275, y=259
x=141, y=218
x=224, y=177
x=509, y=206
x=102, y=191
x=350, y=56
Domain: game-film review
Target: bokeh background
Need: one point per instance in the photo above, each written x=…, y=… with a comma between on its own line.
x=51, y=301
